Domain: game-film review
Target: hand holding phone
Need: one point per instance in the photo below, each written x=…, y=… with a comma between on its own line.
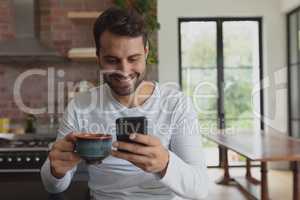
x=145, y=151
x=128, y=125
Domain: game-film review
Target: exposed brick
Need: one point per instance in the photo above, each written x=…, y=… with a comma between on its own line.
x=62, y=27
x=3, y=6
x=59, y=12
x=46, y=20
x=54, y=3
x=62, y=43
x=4, y=19
x=4, y=27
x=58, y=32
x=4, y=12
x=8, y=35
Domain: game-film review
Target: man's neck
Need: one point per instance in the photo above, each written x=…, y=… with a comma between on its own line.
x=138, y=98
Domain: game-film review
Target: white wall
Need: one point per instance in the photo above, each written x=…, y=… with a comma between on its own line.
x=288, y=5
x=274, y=42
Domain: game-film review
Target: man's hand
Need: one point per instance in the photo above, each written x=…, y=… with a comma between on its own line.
x=62, y=157
x=147, y=153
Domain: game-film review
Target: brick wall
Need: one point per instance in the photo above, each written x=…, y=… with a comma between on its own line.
x=6, y=20
x=34, y=89
x=57, y=31
x=62, y=33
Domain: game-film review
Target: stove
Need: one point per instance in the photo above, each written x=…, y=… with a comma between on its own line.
x=24, y=153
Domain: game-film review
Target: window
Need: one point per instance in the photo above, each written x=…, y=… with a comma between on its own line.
x=220, y=64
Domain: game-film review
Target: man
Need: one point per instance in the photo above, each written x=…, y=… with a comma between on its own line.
x=165, y=164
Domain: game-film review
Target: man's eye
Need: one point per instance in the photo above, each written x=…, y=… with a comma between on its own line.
x=133, y=59
x=111, y=61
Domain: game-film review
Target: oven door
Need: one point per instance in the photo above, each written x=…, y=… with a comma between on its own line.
x=22, y=159
x=15, y=186
x=28, y=185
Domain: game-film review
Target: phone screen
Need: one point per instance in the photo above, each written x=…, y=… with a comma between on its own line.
x=127, y=125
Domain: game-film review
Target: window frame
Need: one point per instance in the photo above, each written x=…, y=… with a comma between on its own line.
x=220, y=65
x=290, y=65
x=220, y=56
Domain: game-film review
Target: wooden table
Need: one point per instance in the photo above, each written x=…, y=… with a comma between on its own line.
x=263, y=147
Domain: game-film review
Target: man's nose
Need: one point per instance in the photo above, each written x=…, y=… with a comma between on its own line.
x=124, y=68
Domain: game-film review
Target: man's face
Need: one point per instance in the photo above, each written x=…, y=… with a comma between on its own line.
x=123, y=62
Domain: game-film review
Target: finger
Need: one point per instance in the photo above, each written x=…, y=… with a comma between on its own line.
x=62, y=167
x=69, y=156
x=70, y=137
x=134, y=158
x=59, y=172
x=64, y=156
x=133, y=148
x=139, y=165
x=147, y=140
x=63, y=145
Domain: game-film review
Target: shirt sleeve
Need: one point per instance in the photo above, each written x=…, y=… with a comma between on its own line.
x=51, y=183
x=186, y=174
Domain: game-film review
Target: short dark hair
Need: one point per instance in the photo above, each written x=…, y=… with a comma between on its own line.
x=123, y=22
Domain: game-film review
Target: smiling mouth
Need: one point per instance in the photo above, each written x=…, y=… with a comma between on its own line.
x=123, y=79
x=121, y=84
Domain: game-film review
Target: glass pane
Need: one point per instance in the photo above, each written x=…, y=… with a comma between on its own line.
x=241, y=74
x=199, y=77
x=200, y=85
x=210, y=148
x=294, y=91
x=235, y=158
x=293, y=39
x=198, y=46
x=240, y=124
x=211, y=152
x=241, y=43
x=237, y=92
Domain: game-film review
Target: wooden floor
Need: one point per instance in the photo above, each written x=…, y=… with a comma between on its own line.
x=280, y=185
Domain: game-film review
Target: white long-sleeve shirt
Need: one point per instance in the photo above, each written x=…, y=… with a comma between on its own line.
x=171, y=118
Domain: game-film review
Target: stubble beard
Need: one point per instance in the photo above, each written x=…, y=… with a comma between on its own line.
x=117, y=87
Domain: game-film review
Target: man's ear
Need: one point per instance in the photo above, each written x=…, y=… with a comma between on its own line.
x=146, y=53
x=147, y=50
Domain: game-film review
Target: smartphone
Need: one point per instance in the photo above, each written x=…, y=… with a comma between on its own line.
x=128, y=125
